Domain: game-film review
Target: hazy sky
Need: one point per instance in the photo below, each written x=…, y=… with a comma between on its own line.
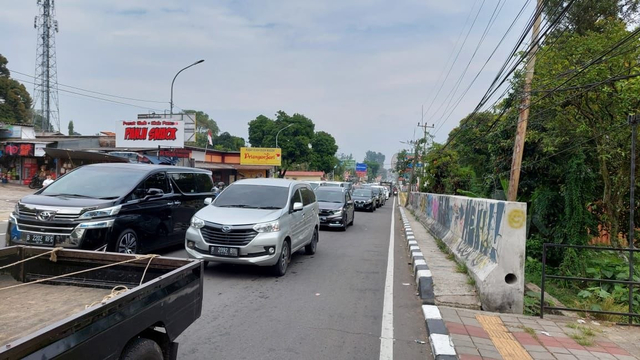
x=360, y=69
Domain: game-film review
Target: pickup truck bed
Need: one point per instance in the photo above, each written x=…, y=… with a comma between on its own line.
x=49, y=319
x=40, y=306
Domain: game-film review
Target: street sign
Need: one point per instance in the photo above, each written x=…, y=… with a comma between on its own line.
x=361, y=167
x=349, y=164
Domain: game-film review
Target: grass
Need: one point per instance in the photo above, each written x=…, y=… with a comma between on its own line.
x=584, y=335
x=530, y=331
x=462, y=268
x=471, y=281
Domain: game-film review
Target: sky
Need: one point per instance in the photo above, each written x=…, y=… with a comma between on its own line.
x=361, y=70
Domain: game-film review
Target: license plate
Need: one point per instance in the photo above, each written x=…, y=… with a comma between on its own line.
x=38, y=239
x=223, y=251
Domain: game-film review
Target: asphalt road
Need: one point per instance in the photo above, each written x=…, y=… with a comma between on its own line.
x=328, y=306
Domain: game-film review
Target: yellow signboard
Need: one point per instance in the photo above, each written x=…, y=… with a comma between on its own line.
x=260, y=156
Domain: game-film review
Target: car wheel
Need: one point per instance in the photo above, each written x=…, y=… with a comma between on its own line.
x=142, y=349
x=344, y=223
x=313, y=245
x=280, y=268
x=127, y=243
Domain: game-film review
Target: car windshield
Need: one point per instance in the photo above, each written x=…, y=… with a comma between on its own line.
x=314, y=185
x=95, y=182
x=331, y=184
x=253, y=196
x=362, y=192
x=330, y=196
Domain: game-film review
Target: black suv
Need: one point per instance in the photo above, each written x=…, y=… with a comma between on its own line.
x=128, y=208
x=336, y=208
x=365, y=199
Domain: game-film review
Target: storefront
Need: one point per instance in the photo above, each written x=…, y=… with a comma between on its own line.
x=67, y=160
x=20, y=160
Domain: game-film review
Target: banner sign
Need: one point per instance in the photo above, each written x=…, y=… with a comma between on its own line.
x=349, y=164
x=260, y=156
x=149, y=133
x=361, y=174
x=361, y=167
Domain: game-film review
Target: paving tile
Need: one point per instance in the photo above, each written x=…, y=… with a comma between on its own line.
x=459, y=337
x=565, y=357
x=486, y=347
x=467, y=350
x=470, y=357
x=469, y=321
x=534, y=348
x=625, y=357
x=617, y=351
x=606, y=344
x=463, y=343
x=480, y=341
x=558, y=350
x=541, y=355
x=595, y=349
x=456, y=328
x=580, y=353
x=490, y=354
x=475, y=331
x=603, y=356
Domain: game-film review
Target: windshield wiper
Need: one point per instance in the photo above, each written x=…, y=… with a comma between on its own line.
x=269, y=207
x=109, y=198
x=238, y=206
x=74, y=195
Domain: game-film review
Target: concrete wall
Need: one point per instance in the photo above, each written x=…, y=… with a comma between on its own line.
x=488, y=236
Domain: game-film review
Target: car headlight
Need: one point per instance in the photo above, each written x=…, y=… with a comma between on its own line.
x=101, y=212
x=267, y=227
x=16, y=209
x=337, y=212
x=369, y=201
x=197, y=223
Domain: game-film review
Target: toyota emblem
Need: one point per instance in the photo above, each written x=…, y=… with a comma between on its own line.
x=46, y=215
x=226, y=228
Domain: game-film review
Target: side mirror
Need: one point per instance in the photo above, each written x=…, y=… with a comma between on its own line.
x=154, y=193
x=208, y=201
x=297, y=206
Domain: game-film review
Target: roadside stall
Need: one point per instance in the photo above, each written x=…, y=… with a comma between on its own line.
x=66, y=160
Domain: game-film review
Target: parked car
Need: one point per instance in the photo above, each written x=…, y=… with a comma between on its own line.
x=336, y=207
x=365, y=199
x=122, y=207
x=315, y=184
x=256, y=222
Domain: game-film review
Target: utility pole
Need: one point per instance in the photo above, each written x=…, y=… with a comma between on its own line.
x=523, y=117
x=45, y=90
x=424, y=126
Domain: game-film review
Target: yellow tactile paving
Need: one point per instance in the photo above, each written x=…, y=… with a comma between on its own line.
x=507, y=345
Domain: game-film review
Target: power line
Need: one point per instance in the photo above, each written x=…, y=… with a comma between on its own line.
x=95, y=92
x=96, y=97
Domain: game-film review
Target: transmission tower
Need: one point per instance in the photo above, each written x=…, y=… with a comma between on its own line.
x=46, y=78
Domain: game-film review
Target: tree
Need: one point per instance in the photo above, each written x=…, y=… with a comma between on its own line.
x=377, y=157
x=203, y=124
x=71, y=132
x=228, y=142
x=586, y=15
x=15, y=101
x=293, y=140
x=324, y=148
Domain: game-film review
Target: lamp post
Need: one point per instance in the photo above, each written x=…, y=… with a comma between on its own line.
x=174, y=80
x=279, y=133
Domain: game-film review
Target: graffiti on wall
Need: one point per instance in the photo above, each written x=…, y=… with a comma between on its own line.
x=474, y=224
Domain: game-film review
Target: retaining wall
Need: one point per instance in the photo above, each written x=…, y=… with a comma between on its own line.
x=488, y=236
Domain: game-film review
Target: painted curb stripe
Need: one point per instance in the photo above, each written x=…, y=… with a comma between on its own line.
x=425, y=289
x=431, y=312
x=441, y=345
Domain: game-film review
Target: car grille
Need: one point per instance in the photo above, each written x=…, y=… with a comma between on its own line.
x=240, y=236
x=59, y=224
x=359, y=202
x=325, y=212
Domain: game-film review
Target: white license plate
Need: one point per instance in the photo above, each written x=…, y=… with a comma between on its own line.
x=38, y=239
x=223, y=251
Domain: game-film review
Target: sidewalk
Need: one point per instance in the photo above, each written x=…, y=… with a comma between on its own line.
x=9, y=196
x=459, y=330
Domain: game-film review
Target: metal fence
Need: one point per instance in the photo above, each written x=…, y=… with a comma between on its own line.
x=630, y=282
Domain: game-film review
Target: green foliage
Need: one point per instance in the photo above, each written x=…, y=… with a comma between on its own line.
x=374, y=157
x=16, y=101
x=294, y=134
x=372, y=169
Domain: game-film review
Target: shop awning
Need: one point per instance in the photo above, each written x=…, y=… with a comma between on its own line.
x=252, y=167
x=83, y=155
x=214, y=166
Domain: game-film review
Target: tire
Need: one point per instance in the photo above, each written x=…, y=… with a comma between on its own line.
x=127, y=242
x=280, y=267
x=33, y=185
x=344, y=223
x=313, y=245
x=142, y=349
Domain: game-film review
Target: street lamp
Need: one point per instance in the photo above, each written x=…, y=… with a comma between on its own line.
x=174, y=79
x=279, y=133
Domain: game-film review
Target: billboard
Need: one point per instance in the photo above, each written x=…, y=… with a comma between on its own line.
x=260, y=156
x=361, y=167
x=149, y=133
x=189, y=121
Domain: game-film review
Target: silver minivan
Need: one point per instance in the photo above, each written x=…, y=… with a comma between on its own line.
x=256, y=222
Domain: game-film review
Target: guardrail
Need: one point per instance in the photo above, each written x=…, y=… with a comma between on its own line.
x=630, y=283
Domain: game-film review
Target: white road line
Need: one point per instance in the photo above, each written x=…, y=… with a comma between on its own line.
x=386, y=336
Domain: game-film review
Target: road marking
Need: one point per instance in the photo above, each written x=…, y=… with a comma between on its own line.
x=505, y=342
x=386, y=336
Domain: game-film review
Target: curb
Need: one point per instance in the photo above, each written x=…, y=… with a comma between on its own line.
x=439, y=338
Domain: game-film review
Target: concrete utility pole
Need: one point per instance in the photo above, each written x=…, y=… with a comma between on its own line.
x=424, y=126
x=523, y=117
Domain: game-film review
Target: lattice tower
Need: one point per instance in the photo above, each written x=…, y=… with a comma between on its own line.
x=46, y=112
